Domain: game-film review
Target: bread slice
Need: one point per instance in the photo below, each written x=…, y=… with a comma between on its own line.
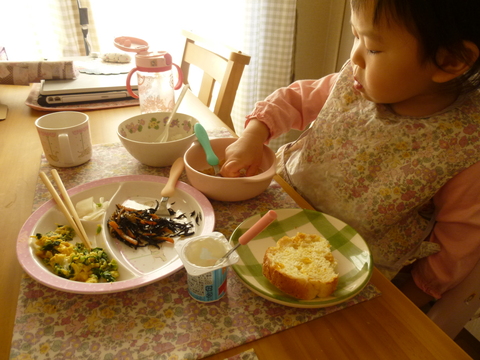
x=302, y=266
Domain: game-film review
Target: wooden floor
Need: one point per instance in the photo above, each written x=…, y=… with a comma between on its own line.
x=469, y=344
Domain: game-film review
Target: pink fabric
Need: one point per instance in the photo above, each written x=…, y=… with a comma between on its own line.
x=457, y=230
x=457, y=204
x=297, y=105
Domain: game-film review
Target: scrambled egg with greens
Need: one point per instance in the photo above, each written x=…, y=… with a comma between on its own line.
x=74, y=262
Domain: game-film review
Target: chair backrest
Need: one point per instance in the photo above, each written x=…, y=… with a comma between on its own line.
x=458, y=305
x=225, y=70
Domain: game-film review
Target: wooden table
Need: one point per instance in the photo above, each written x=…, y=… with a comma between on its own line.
x=387, y=327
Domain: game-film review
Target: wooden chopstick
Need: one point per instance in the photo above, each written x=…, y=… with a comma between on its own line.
x=71, y=208
x=66, y=207
x=304, y=204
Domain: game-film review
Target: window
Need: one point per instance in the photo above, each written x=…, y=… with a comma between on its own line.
x=264, y=29
x=160, y=22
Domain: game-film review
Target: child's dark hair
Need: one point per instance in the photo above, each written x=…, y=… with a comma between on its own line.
x=437, y=24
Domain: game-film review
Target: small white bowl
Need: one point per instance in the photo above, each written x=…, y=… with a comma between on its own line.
x=138, y=135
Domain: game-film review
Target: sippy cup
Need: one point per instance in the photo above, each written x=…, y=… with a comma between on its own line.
x=154, y=73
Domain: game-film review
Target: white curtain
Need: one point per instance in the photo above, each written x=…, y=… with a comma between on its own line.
x=269, y=36
x=46, y=29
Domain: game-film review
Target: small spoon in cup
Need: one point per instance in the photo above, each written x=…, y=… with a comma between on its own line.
x=256, y=229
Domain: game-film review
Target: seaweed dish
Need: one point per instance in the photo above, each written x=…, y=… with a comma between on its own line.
x=139, y=228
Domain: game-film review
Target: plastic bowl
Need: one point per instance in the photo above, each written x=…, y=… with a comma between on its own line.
x=138, y=135
x=223, y=188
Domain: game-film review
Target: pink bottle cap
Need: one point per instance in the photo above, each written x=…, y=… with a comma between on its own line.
x=130, y=44
x=150, y=61
x=160, y=60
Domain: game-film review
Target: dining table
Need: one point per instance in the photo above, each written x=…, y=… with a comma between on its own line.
x=160, y=320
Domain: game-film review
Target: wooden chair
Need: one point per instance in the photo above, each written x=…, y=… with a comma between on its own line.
x=226, y=71
x=3, y=107
x=458, y=305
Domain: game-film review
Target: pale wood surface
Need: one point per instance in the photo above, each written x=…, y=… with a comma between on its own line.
x=387, y=327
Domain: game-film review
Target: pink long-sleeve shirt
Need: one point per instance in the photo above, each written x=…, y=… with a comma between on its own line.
x=457, y=203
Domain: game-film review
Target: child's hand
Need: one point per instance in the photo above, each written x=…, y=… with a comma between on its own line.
x=242, y=155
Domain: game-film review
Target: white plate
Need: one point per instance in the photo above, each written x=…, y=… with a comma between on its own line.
x=355, y=264
x=137, y=267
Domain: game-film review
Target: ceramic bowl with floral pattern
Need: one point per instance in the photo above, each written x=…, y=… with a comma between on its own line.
x=140, y=134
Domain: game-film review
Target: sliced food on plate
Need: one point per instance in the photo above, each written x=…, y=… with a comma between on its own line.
x=302, y=266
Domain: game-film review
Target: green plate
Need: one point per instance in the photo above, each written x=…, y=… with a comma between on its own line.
x=355, y=263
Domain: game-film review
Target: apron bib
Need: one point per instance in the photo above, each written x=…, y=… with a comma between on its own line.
x=378, y=171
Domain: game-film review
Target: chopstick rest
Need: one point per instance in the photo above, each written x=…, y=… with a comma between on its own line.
x=66, y=207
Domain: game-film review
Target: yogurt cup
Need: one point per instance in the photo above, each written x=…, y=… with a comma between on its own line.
x=207, y=280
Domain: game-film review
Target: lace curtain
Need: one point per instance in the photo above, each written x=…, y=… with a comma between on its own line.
x=263, y=29
x=269, y=36
x=46, y=29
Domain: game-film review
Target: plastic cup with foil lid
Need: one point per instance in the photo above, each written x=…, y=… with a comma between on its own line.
x=207, y=279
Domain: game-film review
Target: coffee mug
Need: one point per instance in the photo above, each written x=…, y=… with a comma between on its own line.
x=65, y=138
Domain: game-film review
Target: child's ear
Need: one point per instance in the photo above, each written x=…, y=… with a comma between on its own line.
x=452, y=66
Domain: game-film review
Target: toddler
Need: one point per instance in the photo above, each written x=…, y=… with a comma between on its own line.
x=392, y=145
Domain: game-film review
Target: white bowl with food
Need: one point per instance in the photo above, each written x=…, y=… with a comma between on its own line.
x=139, y=135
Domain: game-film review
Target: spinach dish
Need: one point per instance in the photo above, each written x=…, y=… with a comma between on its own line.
x=74, y=261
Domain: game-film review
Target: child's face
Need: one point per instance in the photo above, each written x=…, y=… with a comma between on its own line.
x=387, y=65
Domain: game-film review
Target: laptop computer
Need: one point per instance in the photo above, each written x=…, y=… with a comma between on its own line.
x=85, y=88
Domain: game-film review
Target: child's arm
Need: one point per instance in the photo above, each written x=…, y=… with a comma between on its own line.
x=457, y=230
x=293, y=107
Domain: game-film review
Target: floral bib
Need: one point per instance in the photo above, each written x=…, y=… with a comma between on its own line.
x=378, y=171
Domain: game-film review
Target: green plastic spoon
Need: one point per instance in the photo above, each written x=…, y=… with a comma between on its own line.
x=202, y=137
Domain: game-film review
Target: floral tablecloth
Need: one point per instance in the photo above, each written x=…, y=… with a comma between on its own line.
x=246, y=355
x=160, y=320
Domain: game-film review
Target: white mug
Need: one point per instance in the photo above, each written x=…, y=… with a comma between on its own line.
x=65, y=137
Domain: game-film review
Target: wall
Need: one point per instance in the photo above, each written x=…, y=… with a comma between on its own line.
x=323, y=38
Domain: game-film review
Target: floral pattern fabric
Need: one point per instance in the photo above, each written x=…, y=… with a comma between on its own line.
x=378, y=171
x=246, y=355
x=160, y=320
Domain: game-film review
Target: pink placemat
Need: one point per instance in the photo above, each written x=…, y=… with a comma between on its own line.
x=160, y=320
x=35, y=92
